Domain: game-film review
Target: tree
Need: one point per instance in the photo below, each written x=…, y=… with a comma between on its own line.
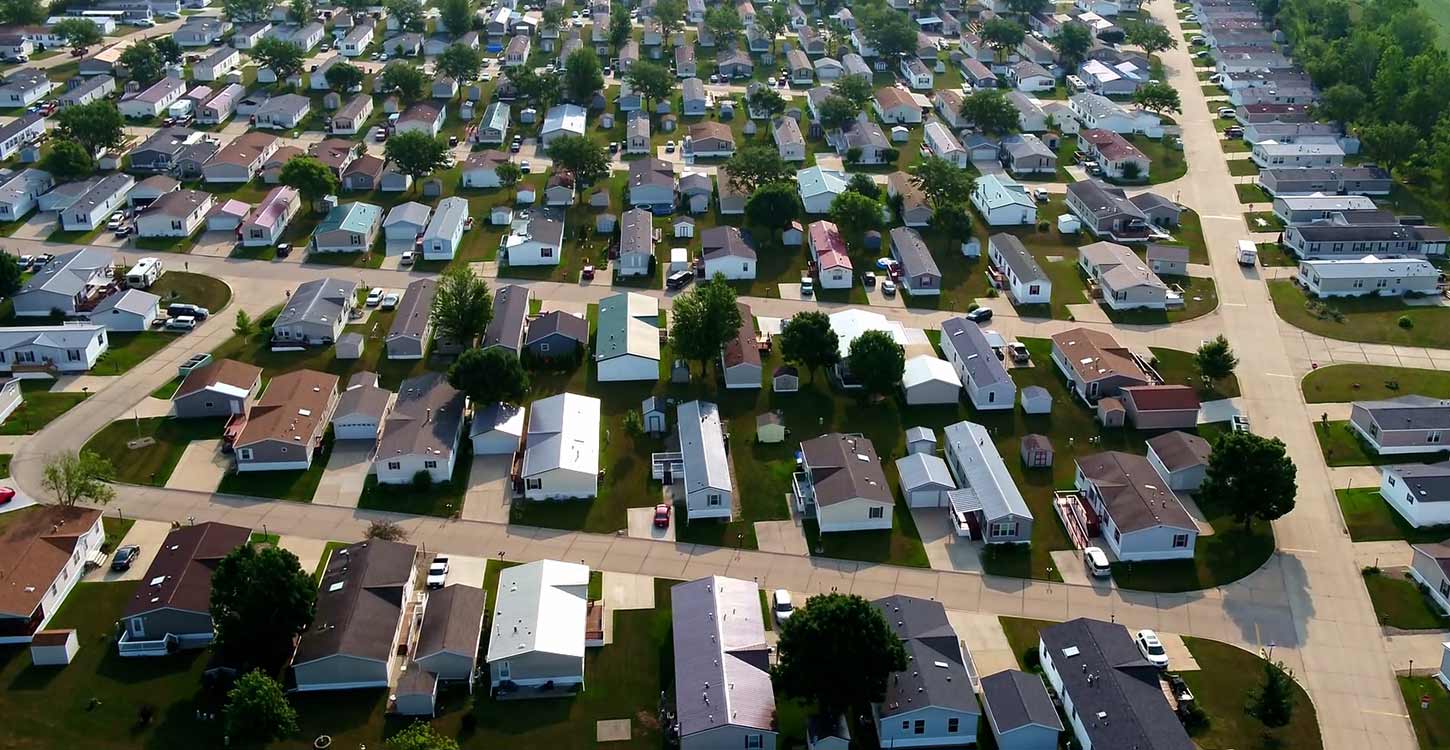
x=409, y=14
x=417, y=154
x=456, y=15
x=703, y=319
x=723, y=23
x=257, y=709
x=753, y=166
x=1157, y=96
x=951, y=221
x=73, y=477
x=310, y=177
x=854, y=89
x=651, y=80
x=671, y=15
x=10, y=274
x=1025, y=8
x=585, y=158
x=766, y=101
x=406, y=80
x=344, y=77
x=620, y=26
x=509, y=174
x=1215, y=359
x=862, y=183
x=460, y=61
x=1151, y=37
x=168, y=48
x=1251, y=477
x=1390, y=143
x=261, y=600
x=462, y=306
x=1072, y=43
x=1002, y=33
x=856, y=214
x=877, y=362
x=836, y=112
x=300, y=11
x=1343, y=103
x=490, y=376
x=808, y=340
x=1273, y=702
x=245, y=326
x=145, y=63
x=837, y=652
x=67, y=161
x=774, y=204
x=247, y=11
x=385, y=530
x=771, y=20
x=541, y=90
x=583, y=76
x=891, y=33
x=991, y=111
x=23, y=12
x=283, y=57
x=421, y=736
x=78, y=32
x=943, y=182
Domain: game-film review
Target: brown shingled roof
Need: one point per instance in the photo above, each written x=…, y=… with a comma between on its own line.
x=180, y=575
x=35, y=546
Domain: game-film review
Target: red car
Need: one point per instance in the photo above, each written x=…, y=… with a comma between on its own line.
x=7, y=494
x=588, y=274
x=662, y=516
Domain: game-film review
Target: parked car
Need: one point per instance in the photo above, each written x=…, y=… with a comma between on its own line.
x=181, y=308
x=662, y=516
x=125, y=557
x=1097, y=562
x=679, y=280
x=1227, y=113
x=196, y=361
x=390, y=302
x=437, y=572
x=181, y=323
x=808, y=286
x=1180, y=690
x=1152, y=648
x=1240, y=423
x=284, y=250
x=669, y=147
x=1017, y=352
x=6, y=495
x=781, y=605
x=407, y=258
x=980, y=315
x=375, y=296
x=888, y=288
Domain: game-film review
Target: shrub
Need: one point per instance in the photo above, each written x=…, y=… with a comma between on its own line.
x=632, y=423
x=422, y=481
x=992, y=293
x=1030, y=658
x=970, y=308
x=1405, y=322
x=1195, y=721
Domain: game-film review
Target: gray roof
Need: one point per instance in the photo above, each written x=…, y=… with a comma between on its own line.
x=844, y=467
x=976, y=353
x=497, y=416
x=1412, y=412
x=558, y=322
x=425, y=419
x=911, y=250
x=450, y=214
x=109, y=187
x=915, y=434
x=983, y=472
x=318, y=301
x=19, y=124
x=132, y=301
x=1135, y=497
x=359, y=602
x=1021, y=146
x=218, y=56
x=636, y=232
x=1015, y=255
x=936, y=672
x=367, y=399
x=693, y=89
x=1180, y=450
x=1015, y=699
x=1172, y=253
x=725, y=242
x=67, y=273
x=1113, y=688
x=722, y=661
x=918, y=470
x=651, y=171
x=1429, y=482
x=510, y=310
x=702, y=443
x=1103, y=201
x=452, y=621
x=414, y=310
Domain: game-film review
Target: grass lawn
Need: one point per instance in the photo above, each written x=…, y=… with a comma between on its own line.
x=1368, y=319
x=901, y=547
x=1242, y=167
x=1399, y=603
x=168, y=389
x=131, y=348
x=40, y=407
x=152, y=464
x=1357, y=382
x=1230, y=553
x=1271, y=254
x=1200, y=296
x=1022, y=634
x=94, y=702
x=116, y=530
x=1227, y=675
x=1342, y=446
x=192, y=288
x=1432, y=725
x=1263, y=221
x=1179, y=367
x=5, y=465
x=1251, y=193
x=444, y=500
x=1371, y=519
x=1190, y=233
x=280, y=485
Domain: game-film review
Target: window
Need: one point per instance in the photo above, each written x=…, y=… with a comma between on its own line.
x=1117, y=535
x=430, y=464
x=754, y=741
x=1180, y=541
x=245, y=454
x=1444, y=588
x=395, y=465
x=1391, y=479
x=73, y=355
x=906, y=725
x=1433, y=437
x=919, y=727
x=1003, y=529
x=546, y=252
x=876, y=512
x=544, y=347
x=534, y=483
x=713, y=501
x=209, y=404
x=953, y=724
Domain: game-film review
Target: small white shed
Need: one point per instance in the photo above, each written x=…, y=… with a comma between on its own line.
x=350, y=346
x=497, y=430
x=53, y=648
x=770, y=427
x=920, y=440
x=925, y=480
x=652, y=414
x=929, y=380
x=1036, y=400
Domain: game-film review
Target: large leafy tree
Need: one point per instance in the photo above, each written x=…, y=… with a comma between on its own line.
x=1072, y=43
x=261, y=600
x=78, y=32
x=764, y=100
x=943, y=182
x=703, y=319
x=620, y=26
x=169, y=49
x=756, y=165
x=258, y=710
x=774, y=204
x=863, y=184
x=891, y=33
x=671, y=15
x=808, y=340
x=1392, y=144
x=67, y=161
x=462, y=307
x=310, y=177
x=344, y=76
x=95, y=125
x=1342, y=103
x=10, y=274
x=1251, y=477
x=1273, y=702
x=283, y=57
x=73, y=477
x=770, y=20
x=409, y=14
x=540, y=90
x=585, y=158
x=877, y=362
x=837, y=653
x=855, y=215
x=23, y=12
x=247, y=11
x=1216, y=359
x=489, y=376
x=456, y=15
x=1157, y=96
x=417, y=154
x=583, y=76
x=836, y=112
x=991, y=111
x=1152, y=37
x=300, y=11
x=406, y=80
x=1024, y=8
x=460, y=61
x=723, y=22
x=653, y=81
x=143, y=62
x=1003, y=34
x=854, y=89
x=421, y=735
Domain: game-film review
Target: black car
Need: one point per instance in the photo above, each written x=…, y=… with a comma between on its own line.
x=980, y=315
x=124, y=557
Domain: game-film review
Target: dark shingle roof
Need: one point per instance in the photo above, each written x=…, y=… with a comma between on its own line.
x=1015, y=699
x=936, y=672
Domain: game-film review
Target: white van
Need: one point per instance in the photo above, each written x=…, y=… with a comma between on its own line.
x=1248, y=254
x=144, y=273
x=1097, y=562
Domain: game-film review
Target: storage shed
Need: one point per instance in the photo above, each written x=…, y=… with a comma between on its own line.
x=1036, y=451
x=920, y=440
x=1036, y=400
x=770, y=427
x=925, y=480
x=785, y=379
x=350, y=346
x=497, y=430
x=53, y=648
x=652, y=416
x=1111, y=412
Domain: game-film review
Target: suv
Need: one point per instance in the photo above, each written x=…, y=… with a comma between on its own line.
x=1097, y=562
x=179, y=309
x=679, y=280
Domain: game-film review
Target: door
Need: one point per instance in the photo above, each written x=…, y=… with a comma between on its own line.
x=137, y=626
x=504, y=672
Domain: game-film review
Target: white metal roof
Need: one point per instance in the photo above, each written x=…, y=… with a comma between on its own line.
x=539, y=607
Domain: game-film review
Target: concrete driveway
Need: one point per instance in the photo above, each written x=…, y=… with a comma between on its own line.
x=149, y=536
x=465, y=570
x=642, y=525
x=201, y=467
x=308, y=551
x=487, y=496
x=944, y=549
x=346, y=472
x=983, y=637
x=628, y=591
